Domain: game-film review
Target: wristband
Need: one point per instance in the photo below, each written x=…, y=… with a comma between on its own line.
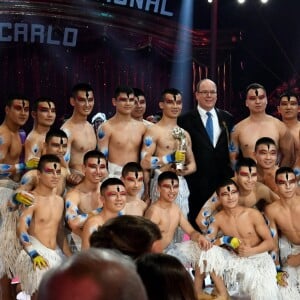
x=230, y=241
x=31, y=252
x=20, y=167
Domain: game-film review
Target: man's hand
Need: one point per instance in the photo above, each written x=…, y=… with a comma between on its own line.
x=24, y=197
x=204, y=243
x=74, y=179
x=293, y=260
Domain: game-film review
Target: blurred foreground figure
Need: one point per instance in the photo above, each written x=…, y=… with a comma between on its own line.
x=93, y=275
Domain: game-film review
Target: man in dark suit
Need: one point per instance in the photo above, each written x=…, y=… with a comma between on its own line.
x=210, y=149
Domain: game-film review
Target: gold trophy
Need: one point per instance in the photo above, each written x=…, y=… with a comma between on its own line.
x=181, y=147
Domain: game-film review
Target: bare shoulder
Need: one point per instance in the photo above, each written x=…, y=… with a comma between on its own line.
x=73, y=195
x=273, y=208
x=5, y=134
x=241, y=124
x=94, y=221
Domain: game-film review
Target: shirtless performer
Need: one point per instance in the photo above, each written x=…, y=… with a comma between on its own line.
x=259, y=124
x=11, y=166
x=250, y=262
x=44, y=114
x=283, y=216
x=81, y=135
x=56, y=143
x=289, y=109
x=120, y=137
x=160, y=148
x=40, y=227
x=84, y=199
x=16, y=115
x=113, y=197
x=133, y=178
x=168, y=216
x=251, y=193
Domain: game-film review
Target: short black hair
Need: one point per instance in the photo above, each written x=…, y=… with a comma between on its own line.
x=39, y=100
x=166, y=175
x=123, y=89
x=131, y=167
x=245, y=162
x=283, y=170
x=226, y=182
x=93, y=154
x=138, y=92
x=288, y=95
x=171, y=91
x=264, y=141
x=254, y=86
x=53, y=132
x=13, y=97
x=81, y=87
x=47, y=158
x=110, y=181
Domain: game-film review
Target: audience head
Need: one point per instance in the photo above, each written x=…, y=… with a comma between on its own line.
x=93, y=275
x=131, y=235
x=165, y=278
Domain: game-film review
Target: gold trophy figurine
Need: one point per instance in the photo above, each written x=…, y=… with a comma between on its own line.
x=179, y=136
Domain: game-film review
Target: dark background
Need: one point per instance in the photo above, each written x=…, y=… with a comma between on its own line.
x=256, y=43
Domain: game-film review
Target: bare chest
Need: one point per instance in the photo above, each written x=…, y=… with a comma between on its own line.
x=89, y=201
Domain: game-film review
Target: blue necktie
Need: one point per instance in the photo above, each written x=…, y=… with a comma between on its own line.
x=209, y=127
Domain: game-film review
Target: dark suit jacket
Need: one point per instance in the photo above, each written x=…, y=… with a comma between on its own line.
x=213, y=164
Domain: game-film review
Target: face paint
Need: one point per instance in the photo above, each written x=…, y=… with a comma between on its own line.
x=98, y=161
x=23, y=103
x=287, y=176
x=136, y=174
x=55, y=166
x=172, y=182
x=268, y=147
x=250, y=170
x=256, y=93
x=118, y=189
x=87, y=94
x=228, y=188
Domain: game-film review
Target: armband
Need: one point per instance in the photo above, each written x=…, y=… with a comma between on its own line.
x=176, y=156
x=31, y=252
x=20, y=167
x=230, y=241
